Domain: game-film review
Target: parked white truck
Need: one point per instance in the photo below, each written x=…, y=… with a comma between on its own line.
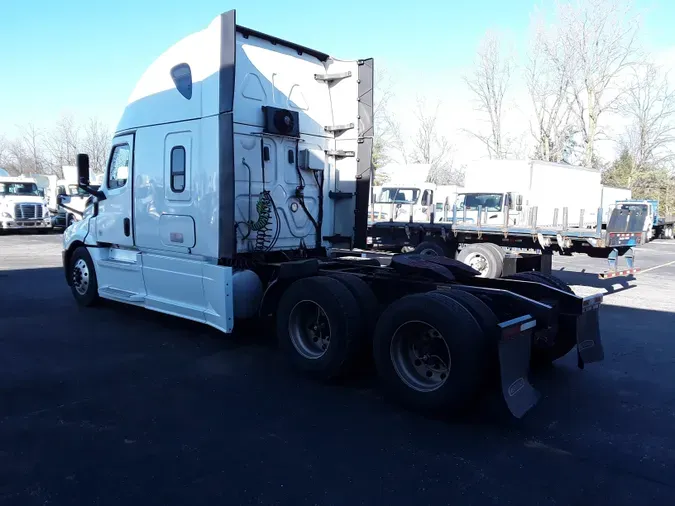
x=21, y=205
x=403, y=201
x=238, y=172
x=407, y=195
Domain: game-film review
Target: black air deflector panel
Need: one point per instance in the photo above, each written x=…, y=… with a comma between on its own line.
x=281, y=121
x=364, y=165
x=247, y=32
x=227, y=241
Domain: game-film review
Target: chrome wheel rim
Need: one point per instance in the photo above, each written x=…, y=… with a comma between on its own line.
x=479, y=262
x=309, y=329
x=420, y=356
x=81, y=277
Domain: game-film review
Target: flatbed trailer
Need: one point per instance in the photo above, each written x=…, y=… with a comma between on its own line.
x=488, y=245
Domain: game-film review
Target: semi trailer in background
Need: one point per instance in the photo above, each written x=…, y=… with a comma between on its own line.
x=238, y=187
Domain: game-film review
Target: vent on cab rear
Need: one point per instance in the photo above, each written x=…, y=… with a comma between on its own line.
x=281, y=122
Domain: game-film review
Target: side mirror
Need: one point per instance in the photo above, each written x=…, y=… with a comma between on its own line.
x=519, y=208
x=519, y=201
x=83, y=169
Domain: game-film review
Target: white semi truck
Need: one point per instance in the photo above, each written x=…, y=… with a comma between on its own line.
x=22, y=206
x=237, y=187
x=401, y=201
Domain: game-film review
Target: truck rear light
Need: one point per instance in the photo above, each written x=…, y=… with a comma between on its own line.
x=591, y=302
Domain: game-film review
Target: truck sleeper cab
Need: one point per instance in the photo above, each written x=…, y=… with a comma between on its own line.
x=240, y=164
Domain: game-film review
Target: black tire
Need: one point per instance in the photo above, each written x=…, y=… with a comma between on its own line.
x=493, y=262
x=488, y=321
x=547, y=279
x=459, y=332
x=365, y=298
x=499, y=251
x=544, y=354
x=70, y=220
x=83, y=281
x=341, y=315
x=430, y=248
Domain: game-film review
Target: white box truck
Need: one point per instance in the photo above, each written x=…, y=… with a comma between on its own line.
x=240, y=162
x=550, y=187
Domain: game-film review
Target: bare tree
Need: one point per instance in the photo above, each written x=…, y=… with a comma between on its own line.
x=399, y=142
x=63, y=141
x=649, y=105
x=27, y=151
x=548, y=74
x=600, y=36
x=489, y=83
x=431, y=148
x=4, y=152
x=96, y=143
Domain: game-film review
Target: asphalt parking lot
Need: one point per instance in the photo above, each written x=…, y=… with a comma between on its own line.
x=115, y=405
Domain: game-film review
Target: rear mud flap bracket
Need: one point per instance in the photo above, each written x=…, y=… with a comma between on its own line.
x=589, y=344
x=514, y=365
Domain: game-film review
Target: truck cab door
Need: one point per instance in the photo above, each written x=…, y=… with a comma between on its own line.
x=114, y=222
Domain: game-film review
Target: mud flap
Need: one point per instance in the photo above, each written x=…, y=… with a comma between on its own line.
x=589, y=344
x=514, y=364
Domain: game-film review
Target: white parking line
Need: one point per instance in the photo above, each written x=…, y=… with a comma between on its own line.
x=657, y=267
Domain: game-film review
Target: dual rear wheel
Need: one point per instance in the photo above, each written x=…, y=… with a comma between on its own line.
x=432, y=351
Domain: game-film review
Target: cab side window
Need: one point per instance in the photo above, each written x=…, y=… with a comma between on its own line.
x=177, y=169
x=426, y=198
x=118, y=171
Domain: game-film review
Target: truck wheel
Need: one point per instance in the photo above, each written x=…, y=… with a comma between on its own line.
x=430, y=248
x=482, y=258
x=486, y=319
x=365, y=298
x=497, y=249
x=429, y=351
x=547, y=279
x=318, y=326
x=564, y=339
x=83, y=282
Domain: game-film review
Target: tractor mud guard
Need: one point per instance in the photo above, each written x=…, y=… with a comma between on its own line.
x=515, y=346
x=586, y=327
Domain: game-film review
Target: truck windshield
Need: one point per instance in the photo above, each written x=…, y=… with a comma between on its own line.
x=19, y=189
x=73, y=189
x=488, y=201
x=635, y=208
x=398, y=195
